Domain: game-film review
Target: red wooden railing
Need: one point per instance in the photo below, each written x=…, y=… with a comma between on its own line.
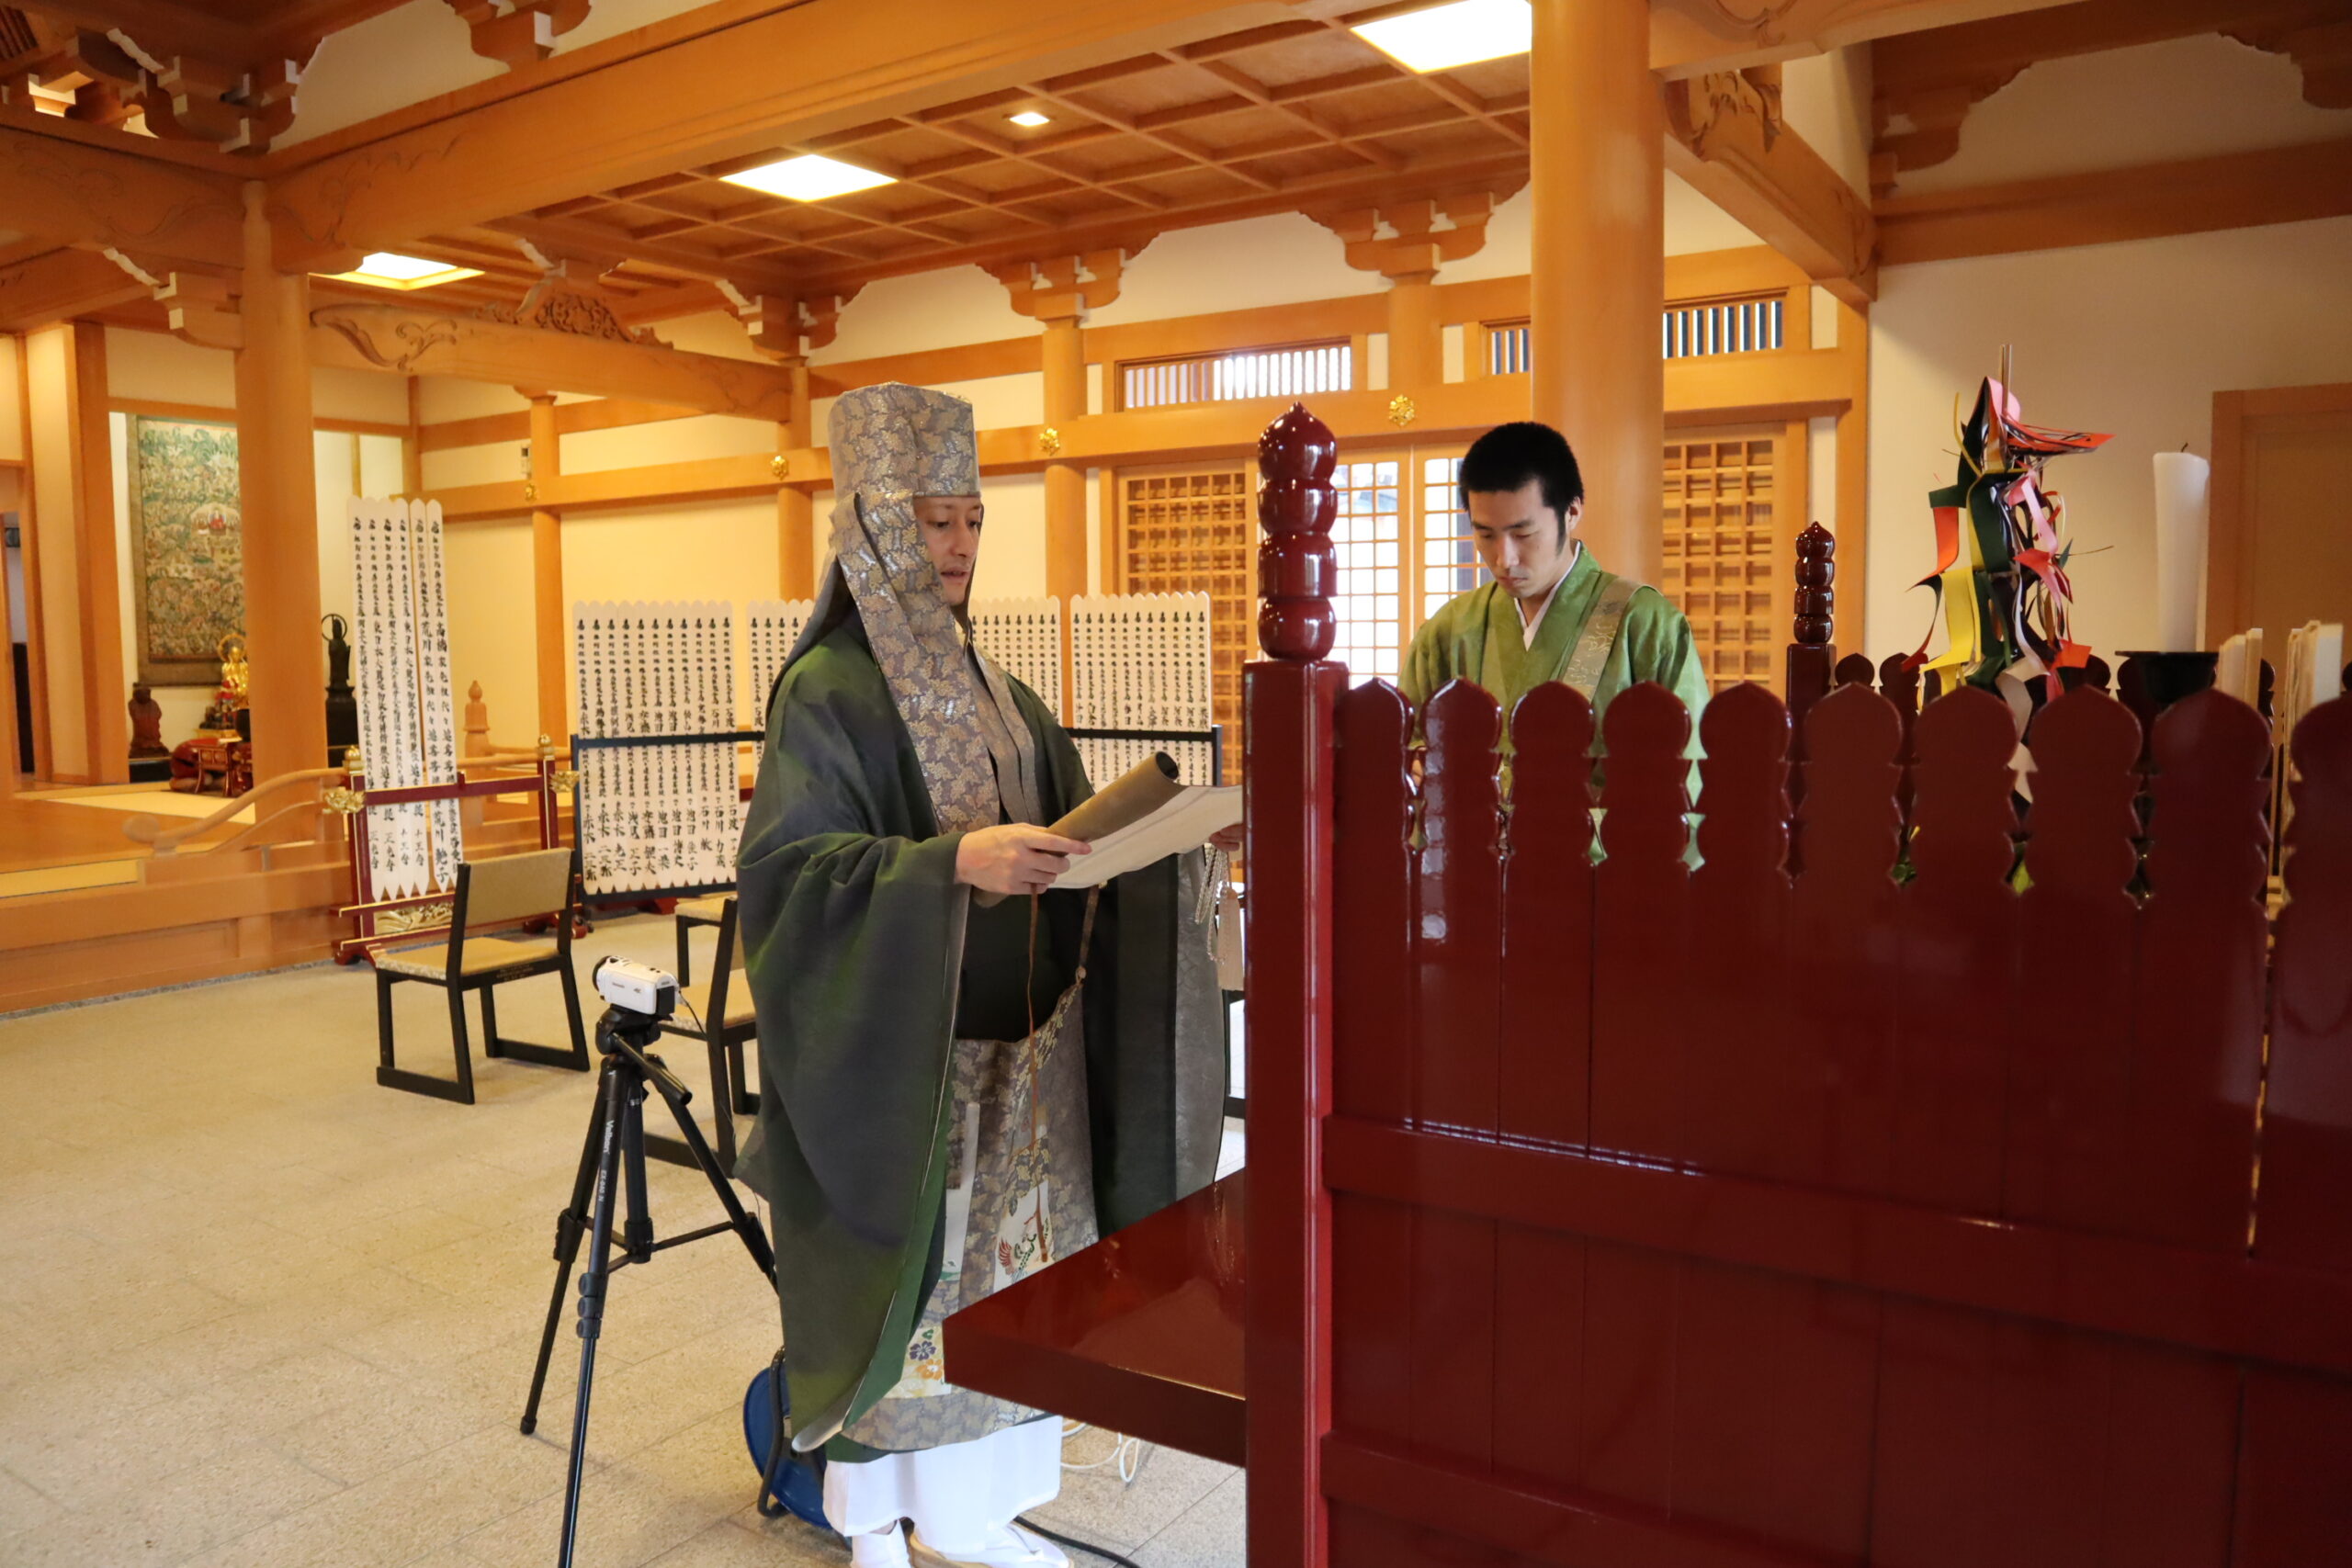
x=1615, y=1212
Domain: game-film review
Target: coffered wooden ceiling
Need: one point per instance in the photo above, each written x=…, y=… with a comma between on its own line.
x=1278, y=118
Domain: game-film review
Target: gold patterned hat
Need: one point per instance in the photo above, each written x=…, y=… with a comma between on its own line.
x=895, y=440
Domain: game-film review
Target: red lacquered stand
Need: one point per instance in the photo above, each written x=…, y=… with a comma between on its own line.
x=1140, y=1333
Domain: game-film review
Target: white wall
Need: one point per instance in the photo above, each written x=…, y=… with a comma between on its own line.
x=490, y=629
x=2132, y=339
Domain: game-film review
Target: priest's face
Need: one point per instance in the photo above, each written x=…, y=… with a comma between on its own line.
x=1526, y=545
x=951, y=532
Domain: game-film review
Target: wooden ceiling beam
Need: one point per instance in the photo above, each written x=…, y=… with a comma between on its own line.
x=1692, y=38
x=1924, y=84
x=62, y=285
x=2236, y=190
x=157, y=26
x=561, y=234
x=1725, y=137
x=70, y=193
x=767, y=81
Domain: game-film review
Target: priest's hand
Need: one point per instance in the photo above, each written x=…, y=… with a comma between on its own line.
x=1014, y=858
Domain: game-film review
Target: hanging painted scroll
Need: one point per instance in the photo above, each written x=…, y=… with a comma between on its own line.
x=663, y=815
x=1024, y=636
x=407, y=723
x=1140, y=662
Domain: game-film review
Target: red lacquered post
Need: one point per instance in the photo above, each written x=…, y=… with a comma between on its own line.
x=1289, y=699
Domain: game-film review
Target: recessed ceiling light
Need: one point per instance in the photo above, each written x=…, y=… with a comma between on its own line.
x=1459, y=34
x=384, y=269
x=808, y=178
x=1030, y=117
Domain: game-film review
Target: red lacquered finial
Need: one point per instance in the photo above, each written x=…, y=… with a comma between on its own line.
x=1296, y=567
x=1817, y=601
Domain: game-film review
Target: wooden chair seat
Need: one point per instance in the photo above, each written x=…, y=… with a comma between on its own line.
x=704, y=911
x=480, y=955
x=695, y=1000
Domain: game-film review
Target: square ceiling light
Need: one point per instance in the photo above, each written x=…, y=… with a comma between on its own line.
x=808, y=178
x=1463, y=33
x=386, y=269
x=1031, y=119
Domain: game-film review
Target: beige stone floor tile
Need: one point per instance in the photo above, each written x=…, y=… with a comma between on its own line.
x=776, y=1543
x=638, y=1508
x=1095, y=1504
x=363, y=1437
x=22, y=1508
x=1209, y=1534
x=159, y=1522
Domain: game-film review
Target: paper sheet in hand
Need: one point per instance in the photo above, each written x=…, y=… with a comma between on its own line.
x=1144, y=815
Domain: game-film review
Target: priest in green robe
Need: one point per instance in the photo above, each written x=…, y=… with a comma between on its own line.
x=964, y=1076
x=1550, y=612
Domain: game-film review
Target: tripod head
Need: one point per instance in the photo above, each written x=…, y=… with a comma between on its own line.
x=630, y=1035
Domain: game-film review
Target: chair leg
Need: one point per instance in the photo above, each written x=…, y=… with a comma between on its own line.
x=576, y=1056
x=460, y=1043
x=686, y=955
x=571, y=1015
x=746, y=1102
x=384, y=1021
x=392, y=1076
x=722, y=1115
x=490, y=1042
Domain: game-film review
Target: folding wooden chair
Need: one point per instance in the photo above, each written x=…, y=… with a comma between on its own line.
x=719, y=1015
x=490, y=893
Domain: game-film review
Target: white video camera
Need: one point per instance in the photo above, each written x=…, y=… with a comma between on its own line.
x=637, y=987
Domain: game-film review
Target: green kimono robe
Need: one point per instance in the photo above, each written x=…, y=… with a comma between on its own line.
x=1477, y=636
x=868, y=963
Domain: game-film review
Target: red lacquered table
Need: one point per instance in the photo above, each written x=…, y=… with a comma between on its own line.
x=1140, y=1333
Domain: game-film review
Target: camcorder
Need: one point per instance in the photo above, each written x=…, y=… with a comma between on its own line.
x=634, y=988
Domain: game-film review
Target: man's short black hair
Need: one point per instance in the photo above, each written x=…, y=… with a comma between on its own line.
x=1509, y=456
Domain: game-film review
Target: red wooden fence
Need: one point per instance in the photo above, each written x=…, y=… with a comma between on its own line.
x=1615, y=1213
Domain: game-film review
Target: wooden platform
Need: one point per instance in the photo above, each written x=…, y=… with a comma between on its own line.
x=1140, y=1333
x=37, y=832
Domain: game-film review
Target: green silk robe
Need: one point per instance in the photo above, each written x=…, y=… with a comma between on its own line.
x=1476, y=637
x=866, y=960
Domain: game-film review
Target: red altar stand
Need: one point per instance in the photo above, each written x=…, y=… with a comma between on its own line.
x=1880, y=1205
x=383, y=922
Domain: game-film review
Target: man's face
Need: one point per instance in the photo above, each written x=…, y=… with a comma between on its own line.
x=1521, y=540
x=951, y=532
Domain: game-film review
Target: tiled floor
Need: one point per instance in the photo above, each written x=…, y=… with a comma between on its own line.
x=256, y=1310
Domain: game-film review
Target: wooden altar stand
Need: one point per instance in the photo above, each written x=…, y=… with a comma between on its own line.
x=1884, y=1192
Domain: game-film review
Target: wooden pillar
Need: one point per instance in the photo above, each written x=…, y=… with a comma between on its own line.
x=1415, y=338
x=1065, y=402
x=796, y=522
x=1597, y=165
x=547, y=570
x=1853, y=477
x=278, y=492
x=73, y=569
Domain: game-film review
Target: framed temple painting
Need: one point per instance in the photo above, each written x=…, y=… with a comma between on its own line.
x=187, y=548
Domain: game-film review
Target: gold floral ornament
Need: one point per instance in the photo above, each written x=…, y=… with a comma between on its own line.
x=1050, y=439
x=779, y=467
x=530, y=490
x=1402, y=411
x=344, y=802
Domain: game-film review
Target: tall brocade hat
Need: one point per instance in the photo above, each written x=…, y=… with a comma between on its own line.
x=895, y=441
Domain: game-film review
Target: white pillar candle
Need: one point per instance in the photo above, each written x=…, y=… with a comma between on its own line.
x=2181, y=486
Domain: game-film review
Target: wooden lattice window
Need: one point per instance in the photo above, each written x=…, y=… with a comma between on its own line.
x=1191, y=532
x=1723, y=556
x=1300, y=370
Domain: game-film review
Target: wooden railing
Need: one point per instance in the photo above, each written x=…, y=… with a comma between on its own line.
x=146, y=828
x=1898, y=1206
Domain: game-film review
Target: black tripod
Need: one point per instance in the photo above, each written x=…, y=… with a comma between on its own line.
x=614, y=1155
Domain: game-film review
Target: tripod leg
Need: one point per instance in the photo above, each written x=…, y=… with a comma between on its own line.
x=569, y=1225
x=592, y=1280
x=737, y=1215
x=637, y=1234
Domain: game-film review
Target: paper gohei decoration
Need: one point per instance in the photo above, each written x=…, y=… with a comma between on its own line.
x=408, y=732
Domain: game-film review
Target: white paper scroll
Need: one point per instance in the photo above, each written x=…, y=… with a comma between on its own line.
x=1141, y=661
x=667, y=815
x=1024, y=636
x=2183, y=480
x=407, y=733
x=772, y=626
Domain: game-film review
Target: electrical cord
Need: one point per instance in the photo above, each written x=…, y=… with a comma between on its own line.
x=1104, y=1552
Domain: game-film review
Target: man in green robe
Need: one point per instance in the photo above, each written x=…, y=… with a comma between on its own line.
x=954, y=1089
x=1550, y=612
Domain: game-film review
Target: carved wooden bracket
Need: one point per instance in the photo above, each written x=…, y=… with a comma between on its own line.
x=237, y=102
x=518, y=32
x=1403, y=239
x=1063, y=287
x=1726, y=138
x=558, y=305
x=2323, y=52
x=785, y=326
